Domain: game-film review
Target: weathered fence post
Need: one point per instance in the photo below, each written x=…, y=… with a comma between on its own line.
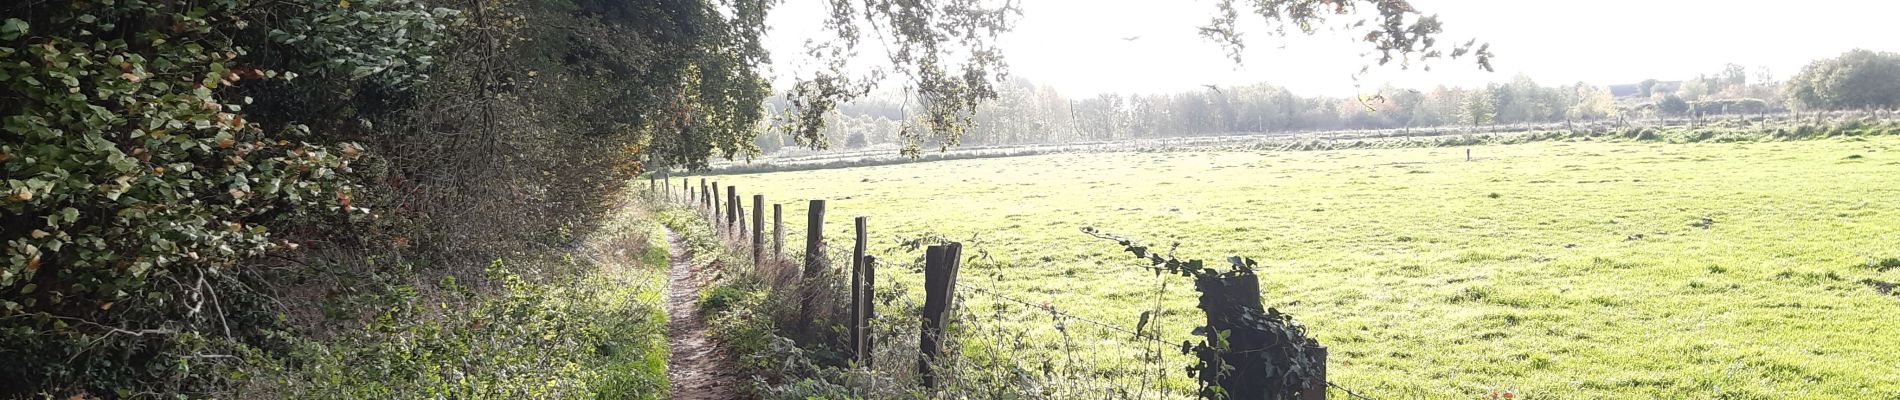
x=732, y=208
x=1228, y=300
x=867, y=311
x=778, y=231
x=857, y=291
x=758, y=224
x=940, y=285
x=715, y=208
x=1316, y=389
x=814, y=238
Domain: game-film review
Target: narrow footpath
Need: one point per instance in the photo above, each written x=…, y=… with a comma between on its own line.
x=697, y=367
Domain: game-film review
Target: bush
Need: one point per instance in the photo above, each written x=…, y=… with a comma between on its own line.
x=136, y=182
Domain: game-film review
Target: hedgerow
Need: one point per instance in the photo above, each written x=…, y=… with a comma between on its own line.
x=197, y=194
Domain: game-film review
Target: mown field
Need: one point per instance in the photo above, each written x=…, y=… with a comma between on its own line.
x=1570, y=269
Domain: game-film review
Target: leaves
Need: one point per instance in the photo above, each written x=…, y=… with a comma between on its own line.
x=1287, y=365
x=12, y=29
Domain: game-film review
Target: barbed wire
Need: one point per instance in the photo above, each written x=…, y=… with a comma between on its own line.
x=1349, y=392
x=1059, y=313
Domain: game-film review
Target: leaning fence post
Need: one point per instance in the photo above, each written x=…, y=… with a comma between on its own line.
x=857, y=291
x=758, y=224
x=778, y=231
x=814, y=238
x=940, y=284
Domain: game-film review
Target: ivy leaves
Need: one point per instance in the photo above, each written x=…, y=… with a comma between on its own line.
x=1271, y=342
x=12, y=28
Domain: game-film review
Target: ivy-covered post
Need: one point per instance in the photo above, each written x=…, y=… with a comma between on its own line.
x=1227, y=300
x=1316, y=388
x=1245, y=351
x=1248, y=353
x=940, y=286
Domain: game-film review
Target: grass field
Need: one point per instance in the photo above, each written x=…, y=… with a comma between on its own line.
x=1568, y=269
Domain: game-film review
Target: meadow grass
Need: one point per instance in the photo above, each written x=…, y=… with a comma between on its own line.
x=1570, y=269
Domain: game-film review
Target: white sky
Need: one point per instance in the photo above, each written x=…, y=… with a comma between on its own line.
x=1076, y=45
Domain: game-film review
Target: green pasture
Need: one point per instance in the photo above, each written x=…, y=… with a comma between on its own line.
x=1571, y=269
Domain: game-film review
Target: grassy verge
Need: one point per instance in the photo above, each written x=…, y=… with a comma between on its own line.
x=583, y=323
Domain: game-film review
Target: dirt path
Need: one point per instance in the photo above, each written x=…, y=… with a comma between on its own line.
x=697, y=367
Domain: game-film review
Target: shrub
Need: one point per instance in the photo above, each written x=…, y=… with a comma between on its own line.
x=135, y=181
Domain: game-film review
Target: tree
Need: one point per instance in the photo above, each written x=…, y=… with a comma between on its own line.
x=1480, y=106
x=1856, y=79
x=1672, y=104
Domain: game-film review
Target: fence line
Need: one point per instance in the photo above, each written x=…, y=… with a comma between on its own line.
x=727, y=219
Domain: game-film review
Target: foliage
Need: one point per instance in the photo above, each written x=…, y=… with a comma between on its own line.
x=191, y=189
x=1672, y=104
x=1289, y=367
x=137, y=183
x=589, y=336
x=1729, y=106
x=1854, y=80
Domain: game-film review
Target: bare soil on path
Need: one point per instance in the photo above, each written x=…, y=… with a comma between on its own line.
x=697, y=367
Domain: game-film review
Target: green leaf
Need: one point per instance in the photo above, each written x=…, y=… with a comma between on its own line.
x=12, y=29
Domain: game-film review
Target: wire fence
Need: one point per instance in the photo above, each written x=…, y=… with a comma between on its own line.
x=1000, y=344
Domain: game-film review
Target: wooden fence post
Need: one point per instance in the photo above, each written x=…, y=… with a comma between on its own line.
x=857, y=291
x=758, y=224
x=814, y=238
x=732, y=208
x=715, y=208
x=1226, y=300
x=1316, y=389
x=867, y=311
x=778, y=231
x=940, y=285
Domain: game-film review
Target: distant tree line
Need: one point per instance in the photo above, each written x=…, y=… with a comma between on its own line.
x=1024, y=112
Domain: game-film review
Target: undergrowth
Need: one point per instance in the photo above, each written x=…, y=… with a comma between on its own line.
x=581, y=324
